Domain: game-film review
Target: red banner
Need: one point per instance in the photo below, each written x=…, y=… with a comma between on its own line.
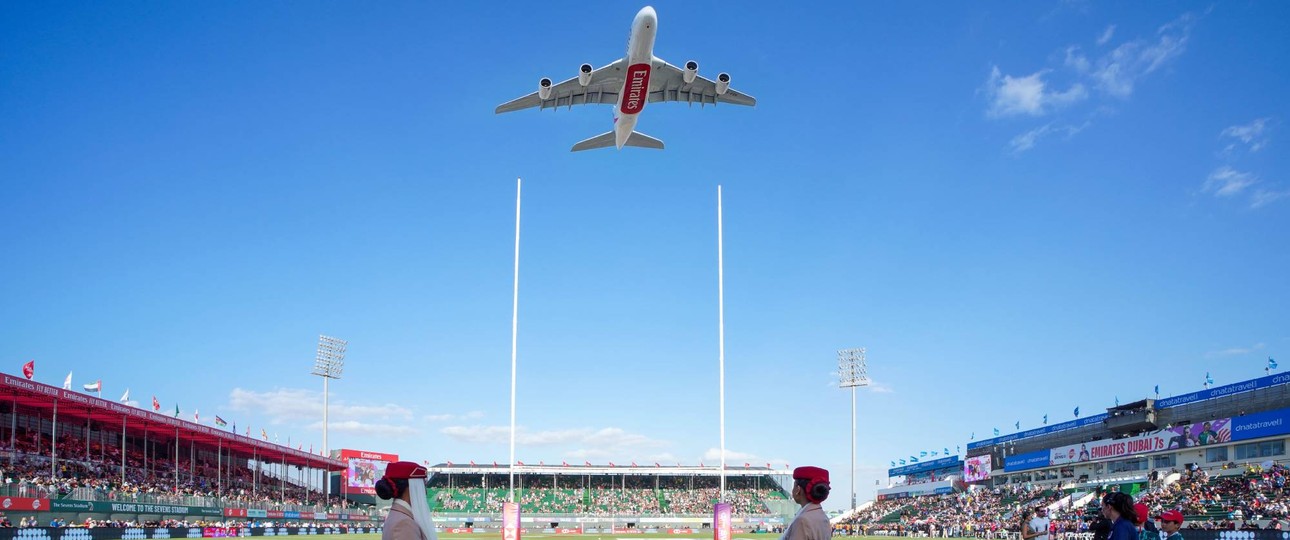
x=459, y=530
x=568, y=531
x=680, y=531
x=24, y=504
x=333, y=517
x=220, y=532
x=275, y=514
x=234, y=512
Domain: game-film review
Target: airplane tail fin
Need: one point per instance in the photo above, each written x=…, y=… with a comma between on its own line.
x=606, y=140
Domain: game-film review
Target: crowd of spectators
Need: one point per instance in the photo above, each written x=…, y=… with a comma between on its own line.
x=92, y=471
x=1246, y=497
x=604, y=501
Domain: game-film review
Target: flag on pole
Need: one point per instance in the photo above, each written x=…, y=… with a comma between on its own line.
x=922, y=454
x=156, y=405
x=94, y=386
x=196, y=417
x=902, y=462
x=1076, y=412
x=947, y=451
x=1157, y=389
x=126, y=396
x=1272, y=364
x=263, y=434
x=29, y=369
x=1117, y=401
x=67, y=383
x=913, y=459
x=248, y=431
x=176, y=410
x=973, y=437
x=1045, y=419
x=934, y=453
x=1017, y=425
x=1208, y=379
x=220, y=422
x=893, y=464
x=958, y=449
x=996, y=432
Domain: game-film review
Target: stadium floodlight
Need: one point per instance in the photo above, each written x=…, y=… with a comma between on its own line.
x=853, y=372
x=328, y=364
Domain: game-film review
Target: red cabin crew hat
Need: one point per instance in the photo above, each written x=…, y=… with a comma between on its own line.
x=403, y=470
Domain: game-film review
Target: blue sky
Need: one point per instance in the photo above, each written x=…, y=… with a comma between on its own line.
x=1017, y=209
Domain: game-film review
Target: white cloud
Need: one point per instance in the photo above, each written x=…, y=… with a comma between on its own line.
x=1028, y=95
x=357, y=427
x=1226, y=182
x=1250, y=134
x=586, y=443
x=1120, y=70
x=435, y=418
x=296, y=405
x=1027, y=140
x=880, y=388
x=1106, y=35
x=1264, y=197
x=1236, y=351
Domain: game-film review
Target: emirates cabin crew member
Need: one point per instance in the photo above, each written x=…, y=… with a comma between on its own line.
x=409, y=518
x=810, y=488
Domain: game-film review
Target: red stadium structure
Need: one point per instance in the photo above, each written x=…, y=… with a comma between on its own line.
x=51, y=419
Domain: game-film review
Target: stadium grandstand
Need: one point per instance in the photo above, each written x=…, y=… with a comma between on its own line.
x=69, y=457
x=1217, y=455
x=610, y=497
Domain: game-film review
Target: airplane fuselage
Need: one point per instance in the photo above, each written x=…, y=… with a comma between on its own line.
x=640, y=62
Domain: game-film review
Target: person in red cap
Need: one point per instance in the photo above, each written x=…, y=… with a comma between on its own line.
x=1146, y=527
x=409, y=519
x=1170, y=522
x=810, y=488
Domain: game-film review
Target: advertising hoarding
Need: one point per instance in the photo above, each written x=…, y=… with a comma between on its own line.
x=362, y=469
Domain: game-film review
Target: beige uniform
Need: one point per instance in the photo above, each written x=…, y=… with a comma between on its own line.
x=811, y=523
x=399, y=525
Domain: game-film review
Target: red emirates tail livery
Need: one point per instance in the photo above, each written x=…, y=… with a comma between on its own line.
x=630, y=83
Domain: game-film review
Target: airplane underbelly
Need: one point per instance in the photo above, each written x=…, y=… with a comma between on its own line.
x=635, y=89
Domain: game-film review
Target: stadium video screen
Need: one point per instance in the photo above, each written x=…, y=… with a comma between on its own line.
x=976, y=469
x=363, y=473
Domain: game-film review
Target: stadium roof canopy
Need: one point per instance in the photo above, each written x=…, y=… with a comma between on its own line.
x=611, y=469
x=77, y=407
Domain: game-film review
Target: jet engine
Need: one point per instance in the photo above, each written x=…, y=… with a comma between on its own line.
x=584, y=74
x=723, y=83
x=544, y=88
x=691, y=70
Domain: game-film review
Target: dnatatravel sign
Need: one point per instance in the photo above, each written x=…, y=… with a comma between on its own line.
x=1029, y=460
x=1259, y=425
x=952, y=462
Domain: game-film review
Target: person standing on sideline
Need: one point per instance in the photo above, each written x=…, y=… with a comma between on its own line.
x=1118, y=507
x=1170, y=522
x=1039, y=524
x=810, y=488
x=409, y=519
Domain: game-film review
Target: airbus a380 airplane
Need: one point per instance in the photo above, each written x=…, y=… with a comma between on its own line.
x=628, y=84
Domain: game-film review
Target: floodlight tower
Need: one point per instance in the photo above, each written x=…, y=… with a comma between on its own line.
x=328, y=364
x=853, y=373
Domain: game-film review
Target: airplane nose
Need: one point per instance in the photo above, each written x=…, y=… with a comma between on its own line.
x=648, y=15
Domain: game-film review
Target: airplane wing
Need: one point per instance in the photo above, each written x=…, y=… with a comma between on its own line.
x=671, y=86
x=606, y=83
